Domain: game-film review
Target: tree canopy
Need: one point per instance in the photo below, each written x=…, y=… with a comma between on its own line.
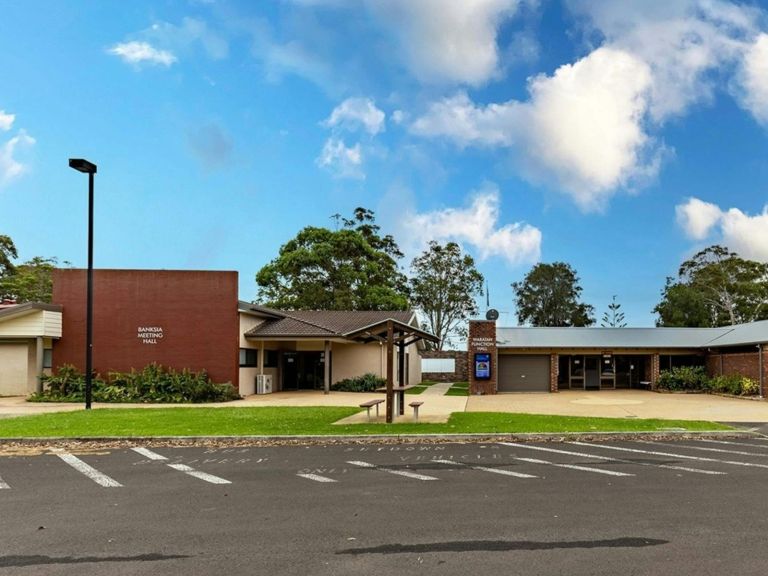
x=716, y=287
x=549, y=296
x=443, y=287
x=613, y=317
x=30, y=281
x=7, y=255
x=353, y=268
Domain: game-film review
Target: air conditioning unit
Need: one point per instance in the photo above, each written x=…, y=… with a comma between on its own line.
x=264, y=384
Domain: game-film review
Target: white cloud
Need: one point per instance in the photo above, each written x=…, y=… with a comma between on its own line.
x=697, y=218
x=460, y=120
x=478, y=225
x=357, y=112
x=6, y=120
x=142, y=52
x=340, y=160
x=582, y=128
x=747, y=235
x=447, y=41
x=682, y=42
x=189, y=32
x=753, y=79
x=10, y=167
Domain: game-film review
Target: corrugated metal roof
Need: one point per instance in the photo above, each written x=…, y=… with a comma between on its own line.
x=743, y=334
x=608, y=338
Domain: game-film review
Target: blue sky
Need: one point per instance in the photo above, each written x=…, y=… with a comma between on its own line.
x=620, y=137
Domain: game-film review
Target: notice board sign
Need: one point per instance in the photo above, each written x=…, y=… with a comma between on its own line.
x=482, y=366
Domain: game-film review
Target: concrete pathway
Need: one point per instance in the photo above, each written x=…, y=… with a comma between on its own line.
x=625, y=404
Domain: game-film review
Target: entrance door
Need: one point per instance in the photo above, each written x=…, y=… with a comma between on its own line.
x=302, y=370
x=592, y=369
x=290, y=371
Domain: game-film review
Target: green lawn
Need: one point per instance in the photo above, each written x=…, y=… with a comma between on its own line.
x=298, y=421
x=418, y=389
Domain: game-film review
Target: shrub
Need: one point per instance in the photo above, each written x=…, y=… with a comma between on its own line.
x=154, y=383
x=734, y=384
x=365, y=383
x=683, y=378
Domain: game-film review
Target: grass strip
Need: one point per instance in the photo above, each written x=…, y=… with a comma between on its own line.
x=416, y=390
x=281, y=421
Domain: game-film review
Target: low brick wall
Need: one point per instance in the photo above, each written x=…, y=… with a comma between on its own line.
x=460, y=373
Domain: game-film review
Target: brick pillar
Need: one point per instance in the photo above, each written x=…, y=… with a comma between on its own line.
x=655, y=369
x=482, y=340
x=763, y=371
x=554, y=371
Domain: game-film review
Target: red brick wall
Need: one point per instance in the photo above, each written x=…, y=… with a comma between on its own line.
x=482, y=338
x=554, y=371
x=744, y=363
x=764, y=391
x=197, y=312
x=460, y=373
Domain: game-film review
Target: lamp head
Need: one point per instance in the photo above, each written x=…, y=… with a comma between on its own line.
x=82, y=165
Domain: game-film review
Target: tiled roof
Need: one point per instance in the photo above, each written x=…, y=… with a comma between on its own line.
x=324, y=323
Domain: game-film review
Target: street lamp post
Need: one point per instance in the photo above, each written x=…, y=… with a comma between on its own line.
x=89, y=168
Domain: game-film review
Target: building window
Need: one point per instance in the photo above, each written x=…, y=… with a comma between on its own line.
x=249, y=358
x=270, y=358
x=47, y=358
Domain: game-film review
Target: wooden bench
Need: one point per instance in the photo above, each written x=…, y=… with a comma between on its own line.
x=370, y=404
x=415, y=406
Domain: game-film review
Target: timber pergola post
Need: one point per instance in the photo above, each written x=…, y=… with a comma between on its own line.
x=391, y=333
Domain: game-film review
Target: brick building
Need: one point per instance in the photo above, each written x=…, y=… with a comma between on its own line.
x=194, y=320
x=552, y=359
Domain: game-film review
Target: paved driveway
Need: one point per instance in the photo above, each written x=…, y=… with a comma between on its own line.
x=625, y=403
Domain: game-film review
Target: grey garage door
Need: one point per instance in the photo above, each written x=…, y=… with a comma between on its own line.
x=523, y=373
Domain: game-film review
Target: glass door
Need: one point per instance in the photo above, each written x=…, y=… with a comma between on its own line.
x=577, y=372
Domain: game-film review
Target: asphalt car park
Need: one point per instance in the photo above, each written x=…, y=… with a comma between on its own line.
x=688, y=507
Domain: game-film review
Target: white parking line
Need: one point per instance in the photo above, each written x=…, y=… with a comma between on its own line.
x=197, y=474
x=731, y=443
x=486, y=469
x=397, y=472
x=705, y=449
x=620, y=460
x=149, y=454
x=673, y=455
x=575, y=467
x=91, y=472
x=316, y=477
x=3, y=485
x=181, y=467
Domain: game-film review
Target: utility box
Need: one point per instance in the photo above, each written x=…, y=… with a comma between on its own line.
x=264, y=384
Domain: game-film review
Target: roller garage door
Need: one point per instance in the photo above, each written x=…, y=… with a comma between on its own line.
x=523, y=373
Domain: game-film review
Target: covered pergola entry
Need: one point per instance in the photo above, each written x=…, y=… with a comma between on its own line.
x=391, y=333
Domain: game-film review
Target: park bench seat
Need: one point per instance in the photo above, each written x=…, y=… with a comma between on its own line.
x=370, y=404
x=415, y=406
